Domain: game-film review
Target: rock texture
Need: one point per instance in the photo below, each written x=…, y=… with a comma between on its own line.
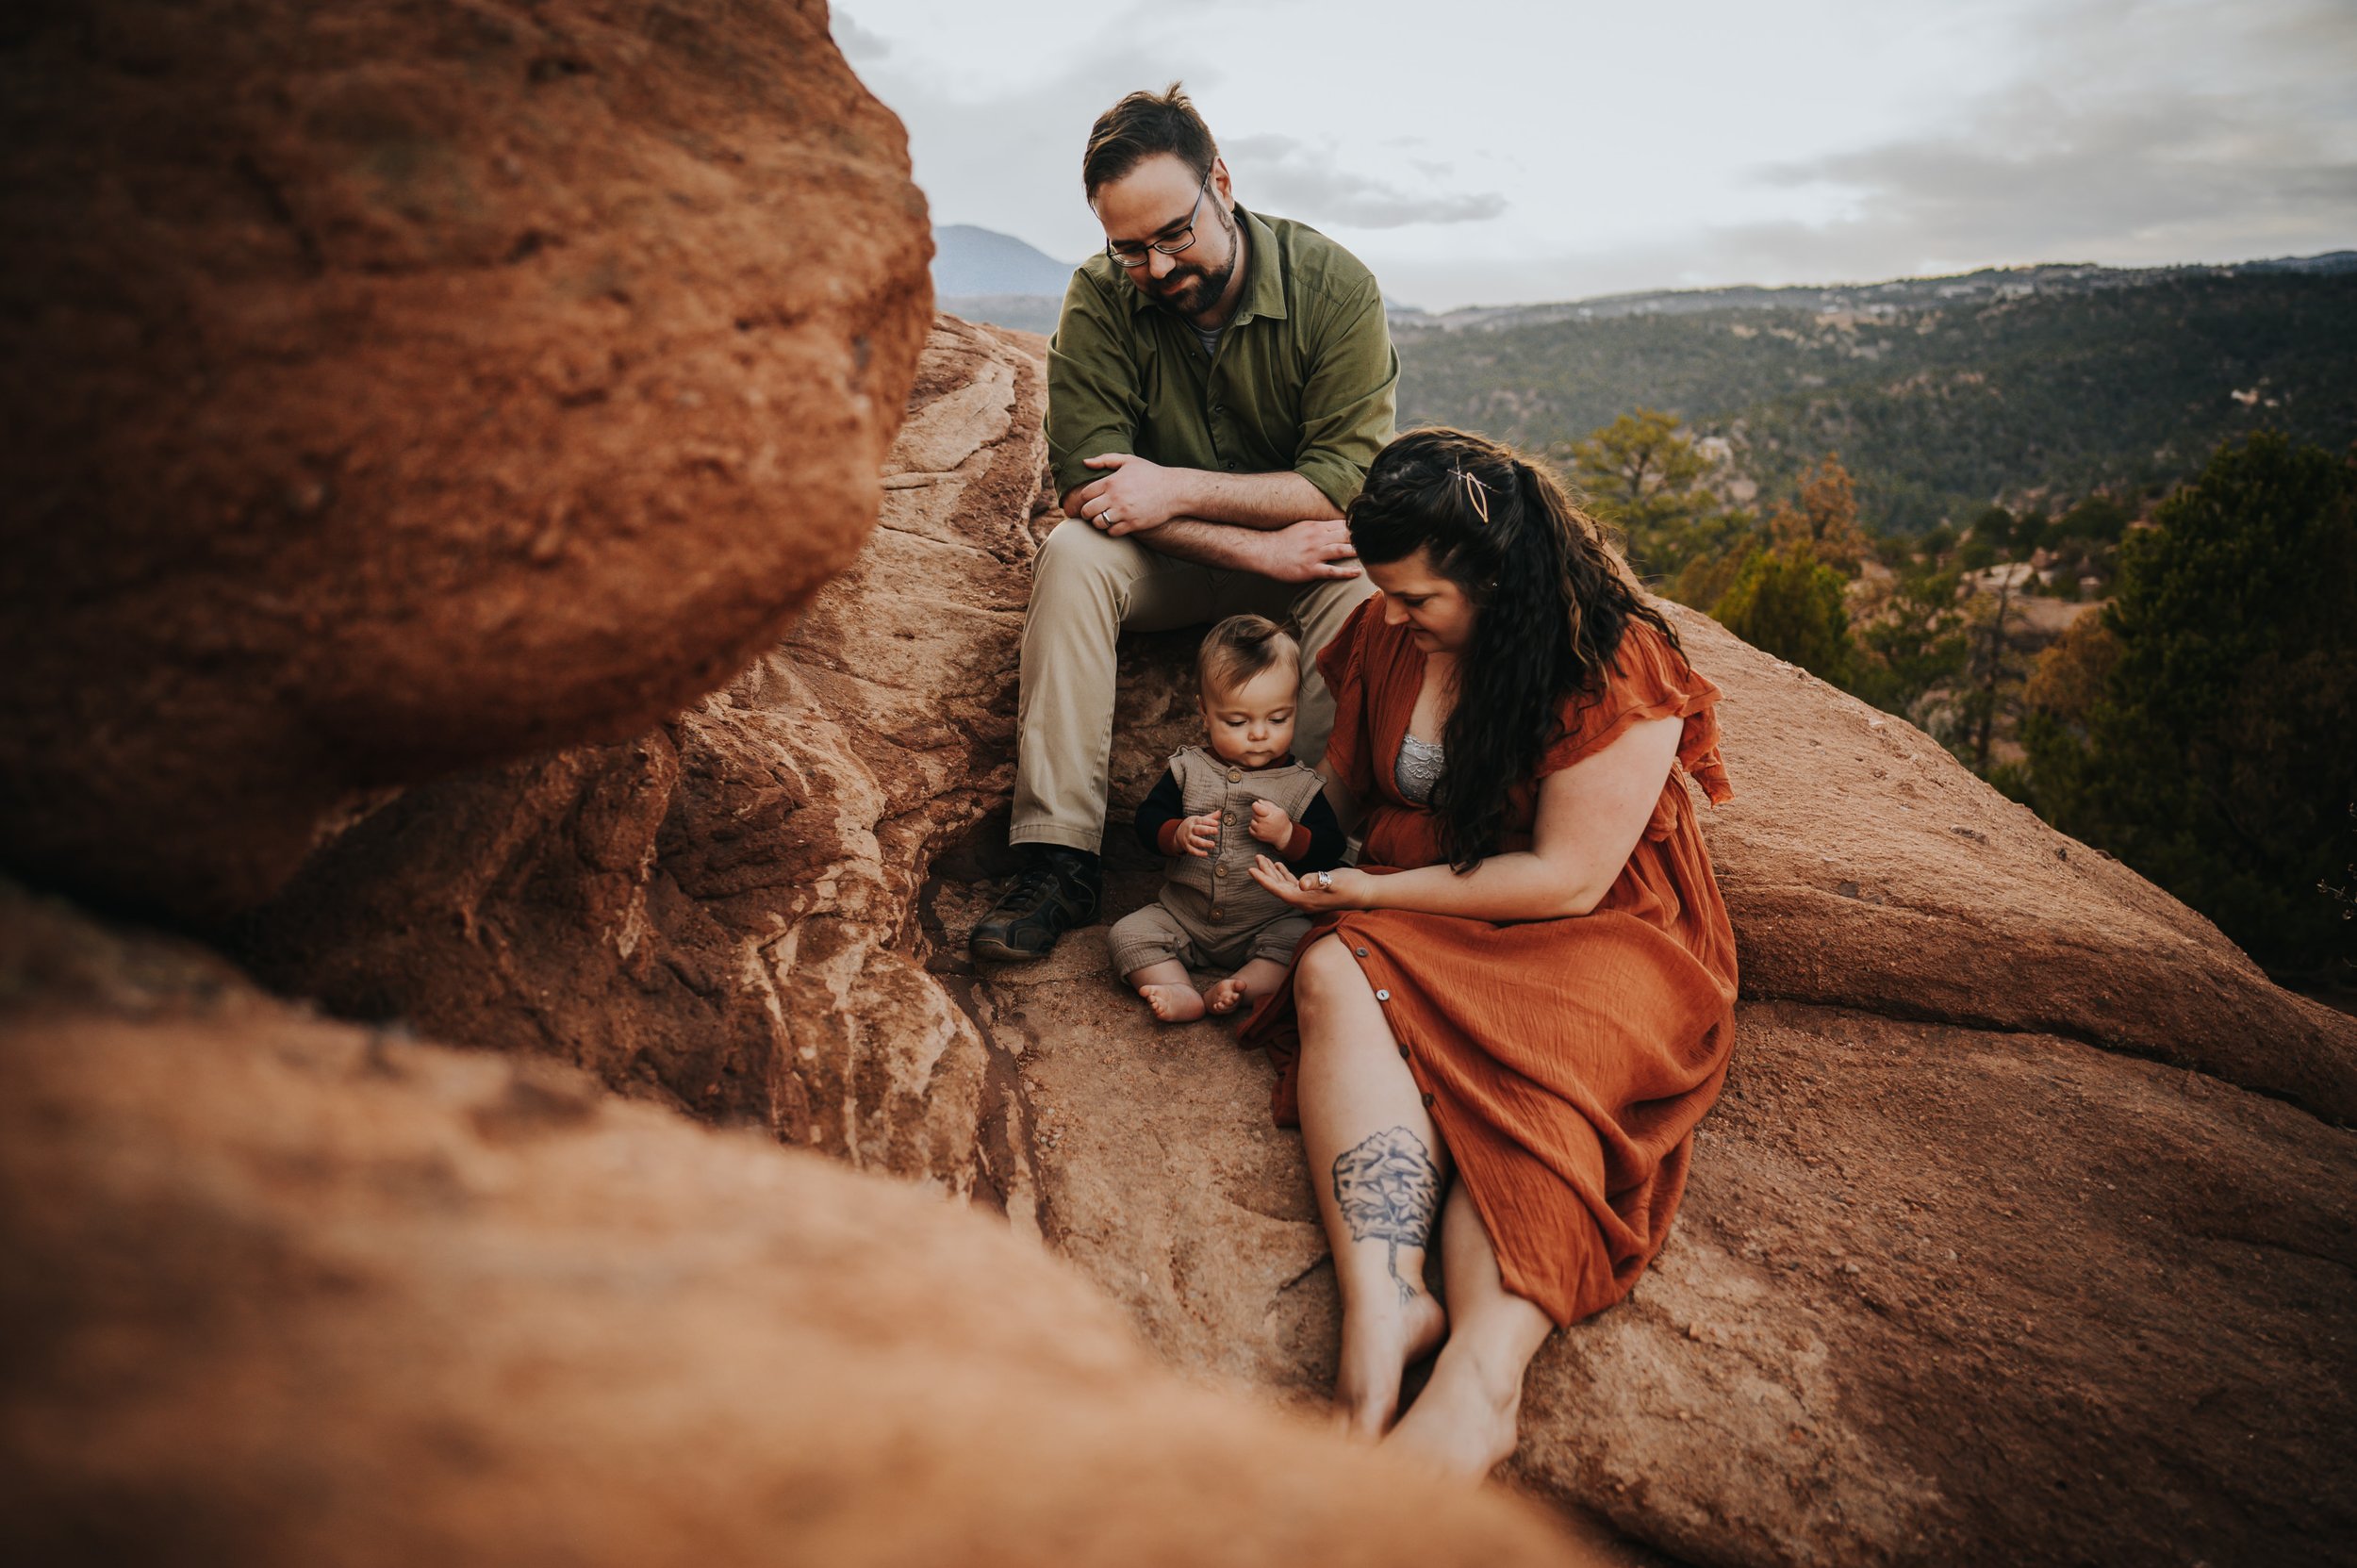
x=283, y=1292
x=1865, y=868
x=720, y=913
x=2026, y=1204
x=397, y=388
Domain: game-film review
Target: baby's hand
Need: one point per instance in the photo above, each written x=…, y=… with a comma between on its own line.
x=1271, y=826
x=1199, y=835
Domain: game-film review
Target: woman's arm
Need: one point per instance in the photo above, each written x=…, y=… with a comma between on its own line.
x=1588, y=820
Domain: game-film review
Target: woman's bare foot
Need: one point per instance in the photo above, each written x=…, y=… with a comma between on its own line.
x=1249, y=985
x=1464, y=1421
x=1380, y=1344
x=1174, y=1004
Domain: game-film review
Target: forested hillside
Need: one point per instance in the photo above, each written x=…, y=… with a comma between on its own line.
x=1937, y=406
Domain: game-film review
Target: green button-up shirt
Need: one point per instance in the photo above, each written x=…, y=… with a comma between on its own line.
x=1304, y=378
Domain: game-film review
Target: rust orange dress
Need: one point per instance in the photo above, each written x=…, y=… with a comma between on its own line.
x=1565, y=1062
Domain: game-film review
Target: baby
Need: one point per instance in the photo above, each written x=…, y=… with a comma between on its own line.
x=1213, y=811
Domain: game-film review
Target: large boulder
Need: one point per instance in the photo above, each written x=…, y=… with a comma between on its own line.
x=281, y=1291
x=398, y=389
x=720, y=913
x=1964, y=1274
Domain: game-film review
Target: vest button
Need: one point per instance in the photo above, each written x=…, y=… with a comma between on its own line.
x=1228, y=818
x=1219, y=870
x=1235, y=775
x=1217, y=913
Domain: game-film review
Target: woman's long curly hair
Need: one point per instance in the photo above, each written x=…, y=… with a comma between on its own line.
x=1551, y=598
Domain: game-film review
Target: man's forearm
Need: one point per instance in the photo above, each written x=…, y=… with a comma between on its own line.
x=1263, y=501
x=1227, y=546
x=1256, y=500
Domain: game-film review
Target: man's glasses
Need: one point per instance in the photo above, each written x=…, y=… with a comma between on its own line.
x=1129, y=253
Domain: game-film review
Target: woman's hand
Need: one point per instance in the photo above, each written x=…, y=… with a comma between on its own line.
x=1319, y=892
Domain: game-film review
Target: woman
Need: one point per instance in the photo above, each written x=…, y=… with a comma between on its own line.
x=1529, y=981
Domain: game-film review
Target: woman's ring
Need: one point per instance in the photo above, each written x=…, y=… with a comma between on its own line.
x=1325, y=881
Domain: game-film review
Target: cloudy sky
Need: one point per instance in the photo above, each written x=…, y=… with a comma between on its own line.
x=1496, y=151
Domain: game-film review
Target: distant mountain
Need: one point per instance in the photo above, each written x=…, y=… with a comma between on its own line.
x=2034, y=385
x=968, y=261
x=1987, y=286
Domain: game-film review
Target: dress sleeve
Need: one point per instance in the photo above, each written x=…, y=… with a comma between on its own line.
x=1650, y=680
x=1343, y=663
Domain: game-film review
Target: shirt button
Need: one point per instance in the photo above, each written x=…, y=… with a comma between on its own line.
x=1382, y=995
x=1230, y=465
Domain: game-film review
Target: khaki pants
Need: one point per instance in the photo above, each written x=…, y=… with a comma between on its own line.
x=1086, y=589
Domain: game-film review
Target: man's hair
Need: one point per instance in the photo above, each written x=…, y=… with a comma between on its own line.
x=1141, y=125
x=1239, y=649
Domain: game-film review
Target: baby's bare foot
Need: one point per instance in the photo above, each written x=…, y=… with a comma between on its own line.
x=1227, y=995
x=1174, y=1004
x=1249, y=985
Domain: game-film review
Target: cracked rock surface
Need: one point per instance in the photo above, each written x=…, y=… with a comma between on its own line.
x=2023, y=1232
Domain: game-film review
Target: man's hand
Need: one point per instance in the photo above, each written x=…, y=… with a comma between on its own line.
x=1271, y=826
x=1198, y=836
x=1137, y=495
x=1309, y=552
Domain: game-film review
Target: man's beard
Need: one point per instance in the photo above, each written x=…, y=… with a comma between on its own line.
x=1189, y=291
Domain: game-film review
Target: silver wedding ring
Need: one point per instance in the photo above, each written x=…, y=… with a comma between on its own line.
x=1325, y=881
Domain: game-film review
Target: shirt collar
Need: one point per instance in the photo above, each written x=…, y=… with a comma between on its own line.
x=1263, y=283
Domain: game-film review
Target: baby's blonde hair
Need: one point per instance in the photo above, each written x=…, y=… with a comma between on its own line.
x=1240, y=648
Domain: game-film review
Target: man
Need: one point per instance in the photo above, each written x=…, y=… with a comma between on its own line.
x=1218, y=385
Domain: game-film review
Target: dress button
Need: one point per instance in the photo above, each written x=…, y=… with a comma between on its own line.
x=1361, y=951
x=1403, y=1053
x=1427, y=1103
x=1382, y=995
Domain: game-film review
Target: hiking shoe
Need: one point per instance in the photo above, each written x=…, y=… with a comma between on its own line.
x=1057, y=890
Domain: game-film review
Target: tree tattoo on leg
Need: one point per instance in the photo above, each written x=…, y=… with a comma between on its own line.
x=1387, y=1187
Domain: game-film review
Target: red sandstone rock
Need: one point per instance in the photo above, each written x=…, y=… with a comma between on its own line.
x=720, y=913
x=283, y=1292
x=397, y=388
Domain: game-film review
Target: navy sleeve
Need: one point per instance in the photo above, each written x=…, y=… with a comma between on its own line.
x=1327, y=842
x=1162, y=806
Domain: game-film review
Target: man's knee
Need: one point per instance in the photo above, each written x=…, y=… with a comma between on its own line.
x=1078, y=558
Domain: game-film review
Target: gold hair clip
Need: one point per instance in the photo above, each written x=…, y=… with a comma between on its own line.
x=1475, y=491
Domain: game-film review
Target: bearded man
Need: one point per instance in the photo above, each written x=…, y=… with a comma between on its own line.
x=1218, y=381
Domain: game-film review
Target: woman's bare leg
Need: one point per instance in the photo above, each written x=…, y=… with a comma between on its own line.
x=1463, y=1420
x=1169, y=990
x=1378, y=1168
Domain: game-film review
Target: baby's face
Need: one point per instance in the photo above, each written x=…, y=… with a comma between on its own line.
x=1252, y=725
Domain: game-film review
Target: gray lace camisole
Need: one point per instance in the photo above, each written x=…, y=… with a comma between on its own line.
x=1420, y=766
